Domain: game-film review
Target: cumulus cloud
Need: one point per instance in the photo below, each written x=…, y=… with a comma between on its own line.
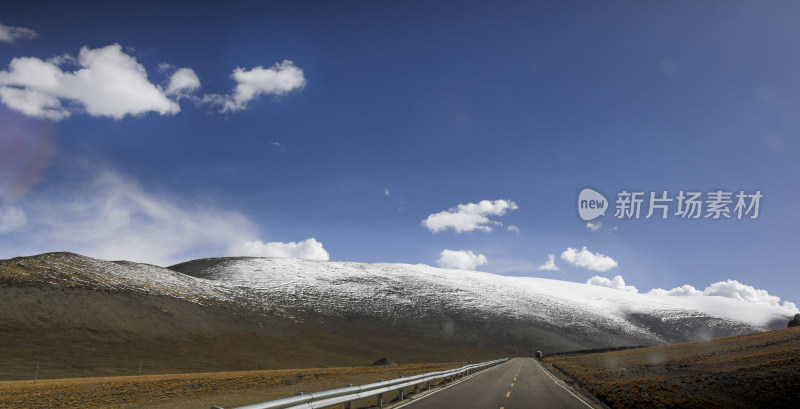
x=11, y=218
x=514, y=229
x=307, y=249
x=461, y=259
x=739, y=291
x=11, y=35
x=386, y=192
x=107, y=83
x=682, y=290
x=550, y=265
x=278, y=80
x=104, y=214
x=113, y=217
x=182, y=82
x=469, y=217
x=594, y=226
x=588, y=260
x=731, y=289
x=616, y=283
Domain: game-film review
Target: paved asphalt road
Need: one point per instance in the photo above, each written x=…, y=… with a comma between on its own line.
x=517, y=384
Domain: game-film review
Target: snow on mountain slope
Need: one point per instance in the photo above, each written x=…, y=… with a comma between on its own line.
x=395, y=292
x=74, y=270
x=476, y=308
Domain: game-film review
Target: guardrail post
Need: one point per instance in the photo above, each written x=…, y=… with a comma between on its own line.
x=348, y=404
x=428, y=386
x=400, y=395
x=380, y=397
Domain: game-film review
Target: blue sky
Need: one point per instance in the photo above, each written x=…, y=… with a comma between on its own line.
x=353, y=122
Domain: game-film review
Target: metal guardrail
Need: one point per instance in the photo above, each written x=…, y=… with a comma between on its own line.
x=348, y=394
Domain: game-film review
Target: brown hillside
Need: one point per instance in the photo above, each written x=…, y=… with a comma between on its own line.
x=70, y=315
x=749, y=371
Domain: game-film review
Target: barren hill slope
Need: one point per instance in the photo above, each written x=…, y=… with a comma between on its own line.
x=83, y=316
x=747, y=371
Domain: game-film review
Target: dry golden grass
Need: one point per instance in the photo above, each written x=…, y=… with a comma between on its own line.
x=756, y=370
x=201, y=390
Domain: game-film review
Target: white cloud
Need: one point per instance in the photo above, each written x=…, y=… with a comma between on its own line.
x=731, y=289
x=279, y=79
x=461, y=259
x=308, y=249
x=469, y=217
x=182, y=82
x=616, y=283
x=594, y=226
x=513, y=228
x=108, y=83
x=550, y=265
x=110, y=216
x=165, y=67
x=387, y=192
x=588, y=260
x=682, y=290
x=10, y=35
x=11, y=218
x=739, y=291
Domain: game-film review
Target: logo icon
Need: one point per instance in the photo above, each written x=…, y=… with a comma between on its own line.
x=591, y=204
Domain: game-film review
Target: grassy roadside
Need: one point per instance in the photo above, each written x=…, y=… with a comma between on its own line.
x=755, y=370
x=199, y=390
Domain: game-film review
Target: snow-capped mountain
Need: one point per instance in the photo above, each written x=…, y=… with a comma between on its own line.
x=443, y=302
x=423, y=303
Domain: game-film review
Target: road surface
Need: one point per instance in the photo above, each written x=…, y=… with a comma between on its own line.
x=519, y=383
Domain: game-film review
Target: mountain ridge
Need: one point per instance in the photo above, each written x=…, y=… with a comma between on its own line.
x=304, y=312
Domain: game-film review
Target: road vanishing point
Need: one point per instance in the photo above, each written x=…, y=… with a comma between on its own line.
x=520, y=383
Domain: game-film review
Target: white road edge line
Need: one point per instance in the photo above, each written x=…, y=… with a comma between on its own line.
x=452, y=384
x=564, y=387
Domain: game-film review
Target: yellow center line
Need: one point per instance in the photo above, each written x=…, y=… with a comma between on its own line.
x=515, y=379
x=508, y=393
x=512, y=384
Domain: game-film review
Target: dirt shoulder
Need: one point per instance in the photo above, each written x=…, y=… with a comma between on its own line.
x=199, y=390
x=755, y=370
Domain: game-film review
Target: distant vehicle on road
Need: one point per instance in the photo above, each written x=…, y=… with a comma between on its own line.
x=537, y=354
